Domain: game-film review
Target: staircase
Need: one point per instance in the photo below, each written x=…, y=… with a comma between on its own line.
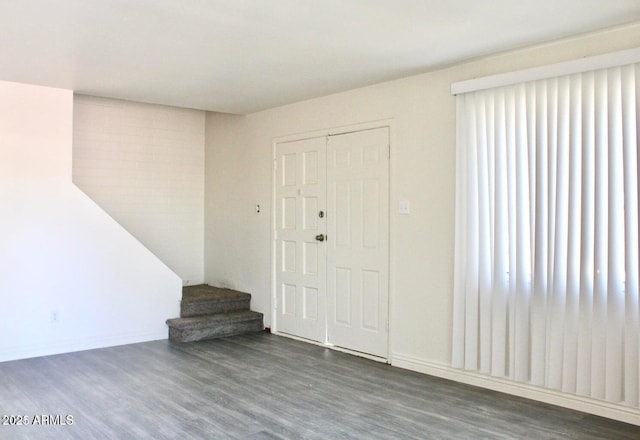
x=211, y=312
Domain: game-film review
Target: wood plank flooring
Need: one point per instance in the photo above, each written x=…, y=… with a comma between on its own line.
x=261, y=386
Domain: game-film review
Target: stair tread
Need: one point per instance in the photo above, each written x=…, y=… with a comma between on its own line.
x=205, y=320
x=205, y=293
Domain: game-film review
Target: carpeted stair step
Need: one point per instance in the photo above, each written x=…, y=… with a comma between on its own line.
x=207, y=300
x=218, y=325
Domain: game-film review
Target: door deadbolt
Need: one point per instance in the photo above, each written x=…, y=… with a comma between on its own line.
x=320, y=237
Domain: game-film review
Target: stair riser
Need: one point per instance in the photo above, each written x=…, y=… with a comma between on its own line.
x=212, y=307
x=217, y=331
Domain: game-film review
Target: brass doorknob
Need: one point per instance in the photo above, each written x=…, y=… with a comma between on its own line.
x=320, y=237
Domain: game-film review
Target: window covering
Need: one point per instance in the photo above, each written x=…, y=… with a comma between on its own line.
x=546, y=252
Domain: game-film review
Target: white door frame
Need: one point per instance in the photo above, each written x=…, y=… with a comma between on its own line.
x=389, y=123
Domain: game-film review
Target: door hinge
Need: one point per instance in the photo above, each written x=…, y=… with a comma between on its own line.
x=275, y=164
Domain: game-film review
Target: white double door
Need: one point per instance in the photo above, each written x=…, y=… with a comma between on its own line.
x=332, y=240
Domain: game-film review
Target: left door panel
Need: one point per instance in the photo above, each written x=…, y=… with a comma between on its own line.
x=300, y=220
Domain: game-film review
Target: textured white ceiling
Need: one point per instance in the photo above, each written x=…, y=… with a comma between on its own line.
x=241, y=56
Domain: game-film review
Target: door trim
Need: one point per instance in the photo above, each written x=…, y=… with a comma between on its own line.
x=382, y=123
x=343, y=129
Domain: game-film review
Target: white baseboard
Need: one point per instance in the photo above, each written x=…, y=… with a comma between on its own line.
x=584, y=404
x=59, y=347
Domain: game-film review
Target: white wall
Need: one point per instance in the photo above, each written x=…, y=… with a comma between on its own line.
x=71, y=278
x=144, y=165
x=238, y=176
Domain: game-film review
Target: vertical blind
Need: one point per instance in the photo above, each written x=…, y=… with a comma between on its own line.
x=546, y=257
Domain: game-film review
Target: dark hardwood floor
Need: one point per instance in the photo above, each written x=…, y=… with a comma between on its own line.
x=261, y=386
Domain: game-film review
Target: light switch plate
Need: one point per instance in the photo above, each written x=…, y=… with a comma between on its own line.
x=404, y=207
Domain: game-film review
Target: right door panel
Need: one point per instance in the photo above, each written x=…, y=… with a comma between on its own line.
x=358, y=241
